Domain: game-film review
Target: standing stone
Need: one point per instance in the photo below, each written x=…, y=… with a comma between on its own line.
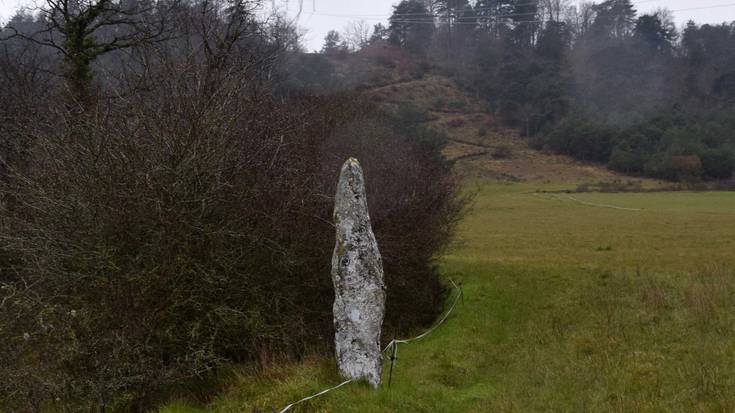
x=357, y=273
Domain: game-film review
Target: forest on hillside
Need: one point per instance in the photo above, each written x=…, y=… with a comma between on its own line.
x=598, y=81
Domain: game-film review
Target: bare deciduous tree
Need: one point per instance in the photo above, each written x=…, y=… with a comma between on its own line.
x=83, y=30
x=553, y=10
x=357, y=34
x=583, y=17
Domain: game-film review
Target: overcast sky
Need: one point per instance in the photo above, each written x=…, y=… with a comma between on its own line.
x=319, y=16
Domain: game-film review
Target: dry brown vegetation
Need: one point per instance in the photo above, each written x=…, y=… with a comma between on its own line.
x=185, y=223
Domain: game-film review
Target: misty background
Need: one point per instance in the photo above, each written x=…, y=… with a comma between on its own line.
x=317, y=17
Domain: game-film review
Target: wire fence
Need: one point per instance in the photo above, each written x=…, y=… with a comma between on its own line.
x=392, y=345
x=579, y=201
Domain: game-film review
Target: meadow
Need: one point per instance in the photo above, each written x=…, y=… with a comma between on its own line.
x=599, y=302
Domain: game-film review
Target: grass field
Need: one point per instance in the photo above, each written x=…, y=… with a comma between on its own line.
x=568, y=307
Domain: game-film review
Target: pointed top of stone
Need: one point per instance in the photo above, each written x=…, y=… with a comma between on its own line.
x=351, y=168
x=351, y=198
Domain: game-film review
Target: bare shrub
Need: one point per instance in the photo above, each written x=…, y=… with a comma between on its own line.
x=438, y=103
x=189, y=224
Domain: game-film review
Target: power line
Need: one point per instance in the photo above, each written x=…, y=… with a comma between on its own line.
x=707, y=7
x=467, y=23
x=409, y=15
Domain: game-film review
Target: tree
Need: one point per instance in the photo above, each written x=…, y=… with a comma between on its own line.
x=411, y=26
x=432, y=5
x=525, y=22
x=615, y=19
x=333, y=43
x=380, y=33
x=718, y=163
x=554, y=41
x=83, y=30
x=582, y=18
x=449, y=10
x=493, y=15
x=357, y=34
x=651, y=33
x=26, y=68
x=460, y=30
x=553, y=10
x=223, y=25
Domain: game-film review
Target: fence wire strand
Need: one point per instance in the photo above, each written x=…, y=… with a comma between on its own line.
x=305, y=399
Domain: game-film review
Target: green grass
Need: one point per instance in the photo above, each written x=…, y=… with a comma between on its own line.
x=568, y=308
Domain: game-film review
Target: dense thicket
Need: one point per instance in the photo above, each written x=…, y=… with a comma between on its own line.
x=597, y=81
x=176, y=215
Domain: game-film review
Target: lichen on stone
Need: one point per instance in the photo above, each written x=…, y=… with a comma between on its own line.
x=357, y=274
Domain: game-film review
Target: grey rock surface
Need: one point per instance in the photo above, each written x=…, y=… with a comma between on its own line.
x=357, y=273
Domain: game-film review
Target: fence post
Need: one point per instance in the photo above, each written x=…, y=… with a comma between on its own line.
x=393, y=357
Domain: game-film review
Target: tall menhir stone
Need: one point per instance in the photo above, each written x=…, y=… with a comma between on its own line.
x=357, y=273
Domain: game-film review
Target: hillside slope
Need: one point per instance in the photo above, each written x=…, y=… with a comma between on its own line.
x=482, y=147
